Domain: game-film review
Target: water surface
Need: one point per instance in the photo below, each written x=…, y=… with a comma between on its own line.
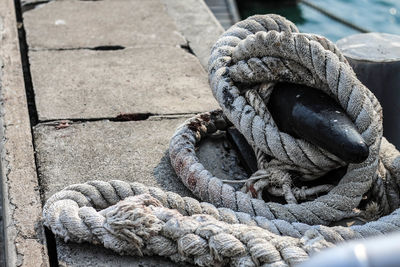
x=372, y=15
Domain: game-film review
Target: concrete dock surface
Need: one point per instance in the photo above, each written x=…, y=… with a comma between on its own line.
x=93, y=90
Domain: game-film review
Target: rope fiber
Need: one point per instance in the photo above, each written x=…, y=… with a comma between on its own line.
x=238, y=227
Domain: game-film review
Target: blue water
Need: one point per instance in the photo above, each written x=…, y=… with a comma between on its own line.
x=318, y=23
x=372, y=15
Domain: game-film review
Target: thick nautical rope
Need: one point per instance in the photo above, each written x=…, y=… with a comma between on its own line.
x=259, y=50
x=269, y=49
x=324, y=210
x=264, y=49
x=134, y=219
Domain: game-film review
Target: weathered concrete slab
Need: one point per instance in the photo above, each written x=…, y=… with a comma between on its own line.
x=22, y=207
x=197, y=24
x=104, y=150
x=73, y=24
x=102, y=84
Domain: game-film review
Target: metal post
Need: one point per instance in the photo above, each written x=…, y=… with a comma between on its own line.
x=375, y=58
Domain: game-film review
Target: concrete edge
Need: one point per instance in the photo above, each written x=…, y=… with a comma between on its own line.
x=198, y=25
x=24, y=235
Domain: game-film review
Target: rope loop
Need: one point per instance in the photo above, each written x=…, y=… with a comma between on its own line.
x=245, y=63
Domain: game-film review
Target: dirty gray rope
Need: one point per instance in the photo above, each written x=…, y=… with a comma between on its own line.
x=236, y=228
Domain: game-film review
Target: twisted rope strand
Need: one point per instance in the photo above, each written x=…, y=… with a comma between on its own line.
x=157, y=229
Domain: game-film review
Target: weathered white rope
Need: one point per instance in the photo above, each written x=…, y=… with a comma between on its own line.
x=256, y=40
x=253, y=52
x=241, y=230
x=211, y=189
x=101, y=195
x=151, y=221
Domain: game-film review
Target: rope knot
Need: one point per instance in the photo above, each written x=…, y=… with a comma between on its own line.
x=133, y=219
x=313, y=241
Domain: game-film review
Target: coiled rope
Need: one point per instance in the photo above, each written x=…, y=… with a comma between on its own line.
x=237, y=228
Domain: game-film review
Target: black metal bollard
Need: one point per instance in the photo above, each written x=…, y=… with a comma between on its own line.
x=375, y=58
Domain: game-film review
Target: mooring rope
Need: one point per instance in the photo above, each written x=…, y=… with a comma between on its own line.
x=232, y=226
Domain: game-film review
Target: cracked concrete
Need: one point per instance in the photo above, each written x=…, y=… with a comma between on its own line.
x=197, y=24
x=142, y=76
x=105, y=150
x=102, y=84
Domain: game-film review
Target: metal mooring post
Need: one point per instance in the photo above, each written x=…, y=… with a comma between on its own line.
x=375, y=58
